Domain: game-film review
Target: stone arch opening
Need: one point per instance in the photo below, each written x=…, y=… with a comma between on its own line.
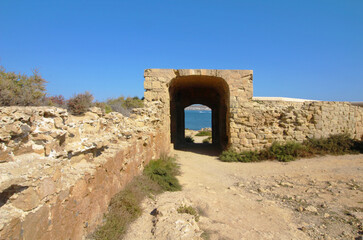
x=197, y=89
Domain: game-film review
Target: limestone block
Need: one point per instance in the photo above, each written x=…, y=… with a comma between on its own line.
x=41, y=137
x=98, y=111
x=26, y=200
x=46, y=188
x=36, y=224
x=160, y=73
x=147, y=84
x=5, y=156
x=156, y=85
x=250, y=136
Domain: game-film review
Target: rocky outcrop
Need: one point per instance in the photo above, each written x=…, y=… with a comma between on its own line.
x=58, y=172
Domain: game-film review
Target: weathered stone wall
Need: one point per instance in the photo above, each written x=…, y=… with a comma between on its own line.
x=257, y=124
x=247, y=124
x=58, y=172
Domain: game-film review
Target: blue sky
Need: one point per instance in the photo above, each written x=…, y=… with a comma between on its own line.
x=306, y=49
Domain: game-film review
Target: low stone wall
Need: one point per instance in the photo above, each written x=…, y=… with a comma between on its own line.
x=58, y=172
x=257, y=124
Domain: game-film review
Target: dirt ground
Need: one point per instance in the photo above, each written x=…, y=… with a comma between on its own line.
x=317, y=198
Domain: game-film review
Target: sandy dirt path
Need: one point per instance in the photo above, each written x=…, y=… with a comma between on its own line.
x=319, y=198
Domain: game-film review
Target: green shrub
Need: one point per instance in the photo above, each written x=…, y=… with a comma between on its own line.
x=104, y=106
x=189, y=210
x=249, y=156
x=20, y=89
x=123, y=105
x=207, y=140
x=163, y=172
x=245, y=156
x=80, y=103
x=204, y=133
x=189, y=139
x=134, y=102
x=229, y=156
x=125, y=206
x=335, y=144
x=286, y=152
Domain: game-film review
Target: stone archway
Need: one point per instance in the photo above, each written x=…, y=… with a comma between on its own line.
x=224, y=91
x=207, y=90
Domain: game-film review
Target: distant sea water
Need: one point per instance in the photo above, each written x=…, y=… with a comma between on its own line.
x=198, y=119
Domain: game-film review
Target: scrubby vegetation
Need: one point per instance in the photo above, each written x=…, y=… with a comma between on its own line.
x=158, y=176
x=21, y=90
x=208, y=140
x=189, y=210
x=80, y=103
x=56, y=101
x=163, y=172
x=204, y=133
x=189, y=139
x=336, y=145
x=125, y=208
x=123, y=105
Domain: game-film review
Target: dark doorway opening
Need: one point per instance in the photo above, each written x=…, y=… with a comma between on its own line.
x=212, y=92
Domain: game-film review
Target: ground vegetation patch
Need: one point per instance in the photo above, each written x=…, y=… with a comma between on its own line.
x=125, y=207
x=338, y=144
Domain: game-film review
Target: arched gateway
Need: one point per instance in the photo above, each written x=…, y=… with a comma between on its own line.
x=221, y=90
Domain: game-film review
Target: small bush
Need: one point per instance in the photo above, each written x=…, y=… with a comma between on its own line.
x=123, y=105
x=104, y=106
x=80, y=103
x=229, y=156
x=189, y=139
x=249, y=156
x=189, y=210
x=245, y=156
x=286, y=152
x=57, y=101
x=134, y=102
x=335, y=144
x=207, y=140
x=163, y=172
x=204, y=133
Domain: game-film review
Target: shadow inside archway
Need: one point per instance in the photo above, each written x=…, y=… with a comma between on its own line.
x=200, y=148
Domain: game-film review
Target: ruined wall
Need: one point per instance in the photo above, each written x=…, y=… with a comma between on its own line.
x=257, y=124
x=253, y=124
x=58, y=172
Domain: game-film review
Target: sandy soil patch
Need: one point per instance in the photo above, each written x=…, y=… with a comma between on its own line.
x=318, y=198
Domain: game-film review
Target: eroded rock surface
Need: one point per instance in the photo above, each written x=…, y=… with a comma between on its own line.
x=61, y=170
